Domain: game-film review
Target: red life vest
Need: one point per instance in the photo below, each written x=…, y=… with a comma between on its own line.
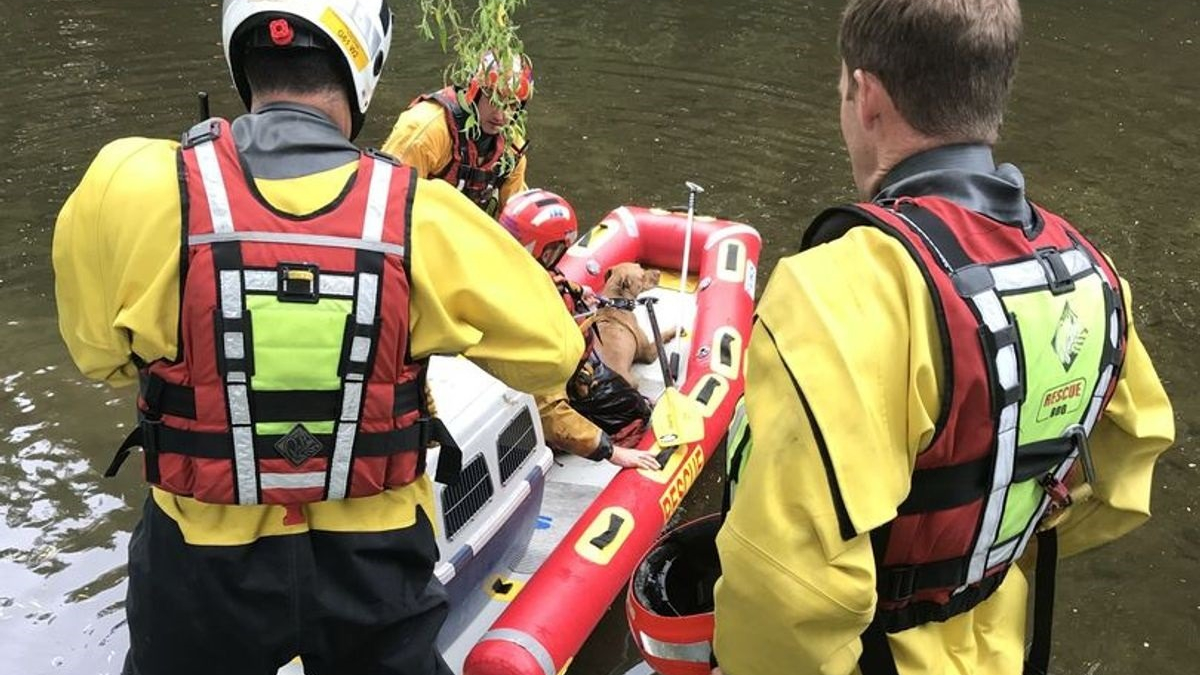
x=476, y=175
x=571, y=292
x=235, y=419
x=943, y=553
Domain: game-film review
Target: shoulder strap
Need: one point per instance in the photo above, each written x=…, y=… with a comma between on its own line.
x=208, y=130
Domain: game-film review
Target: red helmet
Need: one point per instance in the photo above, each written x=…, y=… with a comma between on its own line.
x=543, y=222
x=514, y=79
x=670, y=600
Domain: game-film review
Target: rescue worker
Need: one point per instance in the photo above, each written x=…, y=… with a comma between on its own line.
x=545, y=224
x=434, y=134
x=277, y=292
x=944, y=370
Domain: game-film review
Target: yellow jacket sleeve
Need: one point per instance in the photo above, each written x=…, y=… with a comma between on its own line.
x=421, y=139
x=116, y=260
x=565, y=429
x=478, y=293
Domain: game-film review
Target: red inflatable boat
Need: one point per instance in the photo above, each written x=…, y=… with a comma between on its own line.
x=552, y=604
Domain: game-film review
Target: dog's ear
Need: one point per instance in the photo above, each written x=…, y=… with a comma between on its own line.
x=608, y=273
x=650, y=279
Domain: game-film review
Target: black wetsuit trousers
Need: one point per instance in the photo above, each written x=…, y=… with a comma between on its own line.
x=346, y=603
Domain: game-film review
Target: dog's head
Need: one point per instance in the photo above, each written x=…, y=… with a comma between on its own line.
x=628, y=280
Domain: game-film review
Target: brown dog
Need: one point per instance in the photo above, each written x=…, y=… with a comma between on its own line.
x=621, y=342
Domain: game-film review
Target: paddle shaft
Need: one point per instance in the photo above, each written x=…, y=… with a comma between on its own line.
x=662, y=353
x=687, y=254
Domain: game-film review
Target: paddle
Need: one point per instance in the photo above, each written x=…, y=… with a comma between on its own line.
x=677, y=419
x=693, y=190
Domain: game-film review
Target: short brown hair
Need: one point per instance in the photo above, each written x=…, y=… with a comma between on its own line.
x=947, y=64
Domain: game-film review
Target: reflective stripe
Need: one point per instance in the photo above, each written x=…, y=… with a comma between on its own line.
x=360, y=349
x=351, y=400
x=312, y=479
x=1004, y=553
x=1018, y=275
x=261, y=280
x=996, y=319
x=692, y=652
x=236, y=376
x=243, y=460
x=267, y=281
x=1006, y=442
x=1006, y=367
x=992, y=311
x=1094, y=408
x=1008, y=417
x=235, y=346
x=231, y=294
x=339, y=465
x=214, y=187
x=1031, y=274
x=297, y=240
x=239, y=405
x=377, y=201
x=528, y=643
x=338, y=285
x=368, y=285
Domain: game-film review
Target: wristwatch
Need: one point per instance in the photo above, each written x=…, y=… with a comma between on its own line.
x=604, y=450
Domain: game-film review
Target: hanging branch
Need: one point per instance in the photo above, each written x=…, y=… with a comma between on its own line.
x=490, y=29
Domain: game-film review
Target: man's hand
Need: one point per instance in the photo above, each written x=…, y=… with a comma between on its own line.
x=590, y=300
x=634, y=459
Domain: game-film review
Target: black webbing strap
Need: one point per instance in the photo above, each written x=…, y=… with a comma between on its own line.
x=946, y=487
x=449, y=465
x=897, y=583
x=1038, y=458
x=876, y=658
x=133, y=440
x=219, y=446
x=162, y=397
x=1038, y=662
x=269, y=406
x=937, y=236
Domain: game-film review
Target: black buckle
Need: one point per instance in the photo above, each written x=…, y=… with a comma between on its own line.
x=208, y=130
x=903, y=583
x=1057, y=275
x=299, y=282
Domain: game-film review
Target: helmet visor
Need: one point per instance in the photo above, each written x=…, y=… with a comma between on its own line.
x=552, y=253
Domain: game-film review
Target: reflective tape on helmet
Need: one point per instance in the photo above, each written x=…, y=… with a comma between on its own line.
x=693, y=652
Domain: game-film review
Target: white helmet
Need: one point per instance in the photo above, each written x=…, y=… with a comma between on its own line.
x=361, y=30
